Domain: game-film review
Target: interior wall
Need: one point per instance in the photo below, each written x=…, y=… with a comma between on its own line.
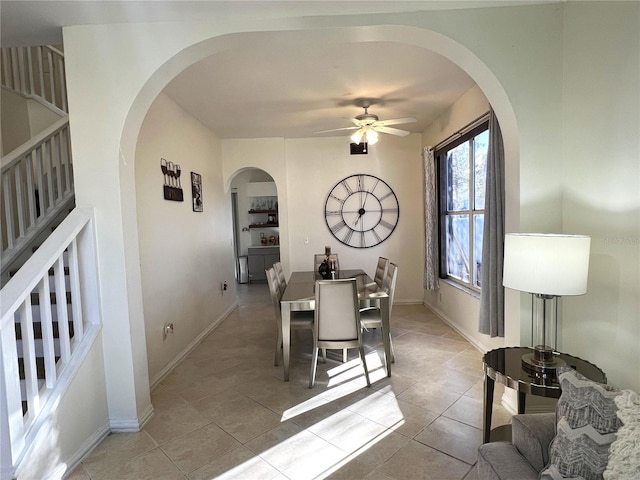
x=184, y=255
x=316, y=165
x=79, y=422
x=601, y=183
x=40, y=117
x=15, y=121
x=306, y=169
x=22, y=118
x=458, y=306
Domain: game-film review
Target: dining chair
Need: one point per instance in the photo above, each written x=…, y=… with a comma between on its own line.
x=336, y=321
x=280, y=272
x=299, y=320
x=381, y=270
x=371, y=317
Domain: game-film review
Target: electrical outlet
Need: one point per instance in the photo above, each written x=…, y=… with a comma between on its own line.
x=166, y=330
x=224, y=287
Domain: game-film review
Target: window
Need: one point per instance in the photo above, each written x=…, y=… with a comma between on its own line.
x=462, y=166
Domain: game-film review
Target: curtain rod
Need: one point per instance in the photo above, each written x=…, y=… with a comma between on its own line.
x=468, y=127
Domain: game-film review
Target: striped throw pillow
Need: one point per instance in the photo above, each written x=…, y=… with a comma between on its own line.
x=586, y=427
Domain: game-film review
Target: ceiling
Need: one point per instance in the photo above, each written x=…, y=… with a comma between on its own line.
x=279, y=84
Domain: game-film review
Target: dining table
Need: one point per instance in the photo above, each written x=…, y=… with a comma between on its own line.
x=299, y=295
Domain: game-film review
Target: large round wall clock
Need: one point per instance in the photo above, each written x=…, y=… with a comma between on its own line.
x=361, y=211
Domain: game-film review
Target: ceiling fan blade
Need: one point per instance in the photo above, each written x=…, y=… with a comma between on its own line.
x=396, y=121
x=392, y=131
x=337, y=130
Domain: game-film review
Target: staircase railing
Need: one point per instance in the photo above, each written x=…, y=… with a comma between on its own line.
x=40, y=289
x=36, y=72
x=37, y=185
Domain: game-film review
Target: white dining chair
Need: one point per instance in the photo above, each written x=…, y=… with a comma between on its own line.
x=336, y=321
x=371, y=317
x=381, y=270
x=299, y=320
x=280, y=272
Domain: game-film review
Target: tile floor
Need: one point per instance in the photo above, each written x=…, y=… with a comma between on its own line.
x=225, y=412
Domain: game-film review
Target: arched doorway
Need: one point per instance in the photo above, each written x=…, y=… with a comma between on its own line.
x=256, y=234
x=189, y=53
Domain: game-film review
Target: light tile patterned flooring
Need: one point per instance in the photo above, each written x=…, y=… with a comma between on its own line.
x=225, y=412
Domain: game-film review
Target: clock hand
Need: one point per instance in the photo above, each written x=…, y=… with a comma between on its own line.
x=362, y=210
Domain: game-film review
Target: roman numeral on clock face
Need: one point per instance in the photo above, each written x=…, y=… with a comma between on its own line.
x=338, y=226
x=347, y=187
x=386, y=224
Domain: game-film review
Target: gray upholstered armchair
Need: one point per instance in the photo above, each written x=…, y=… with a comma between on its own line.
x=524, y=457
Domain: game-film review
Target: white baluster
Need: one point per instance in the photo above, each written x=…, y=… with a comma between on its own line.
x=76, y=298
x=29, y=358
x=46, y=323
x=61, y=309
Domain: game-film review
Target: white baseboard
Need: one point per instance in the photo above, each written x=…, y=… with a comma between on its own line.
x=128, y=425
x=507, y=399
x=155, y=381
x=87, y=447
x=445, y=319
x=146, y=416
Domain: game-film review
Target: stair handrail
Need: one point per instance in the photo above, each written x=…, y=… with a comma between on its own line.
x=37, y=185
x=36, y=72
x=75, y=239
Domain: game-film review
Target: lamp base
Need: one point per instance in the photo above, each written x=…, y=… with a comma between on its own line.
x=541, y=360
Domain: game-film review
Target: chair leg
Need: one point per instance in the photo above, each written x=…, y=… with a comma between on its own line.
x=314, y=362
x=278, y=348
x=324, y=355
x=393, y=355
x=364, y=364
x=344, y=355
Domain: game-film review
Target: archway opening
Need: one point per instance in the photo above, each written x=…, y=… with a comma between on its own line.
x=256, y=234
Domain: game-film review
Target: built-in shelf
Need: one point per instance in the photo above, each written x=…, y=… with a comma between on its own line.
x=272, y=212
x=263, y=225
x=268, y=219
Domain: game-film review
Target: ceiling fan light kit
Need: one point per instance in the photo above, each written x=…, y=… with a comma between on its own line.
x=370, y=135
x=368, y=126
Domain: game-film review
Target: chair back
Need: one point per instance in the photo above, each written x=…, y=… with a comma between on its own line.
x=337, y=316
x=381, y=270
x=274, y=290
x=389, y=283
x=280, y=274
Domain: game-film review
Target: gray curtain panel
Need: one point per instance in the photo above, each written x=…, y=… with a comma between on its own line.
x=431, y=260
x=492, y=294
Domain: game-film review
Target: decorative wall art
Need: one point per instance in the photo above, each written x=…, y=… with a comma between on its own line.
x=196, y=191
x=172, y=187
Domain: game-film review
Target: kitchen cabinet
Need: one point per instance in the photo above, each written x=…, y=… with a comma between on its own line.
x=260, y=259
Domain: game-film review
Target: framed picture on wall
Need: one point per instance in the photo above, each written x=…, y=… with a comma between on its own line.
x=196, y=191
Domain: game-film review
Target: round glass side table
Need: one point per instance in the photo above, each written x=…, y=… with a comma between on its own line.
x=504, y=365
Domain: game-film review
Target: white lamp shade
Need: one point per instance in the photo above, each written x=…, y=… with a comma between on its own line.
x=357, y=136
x=547, y=264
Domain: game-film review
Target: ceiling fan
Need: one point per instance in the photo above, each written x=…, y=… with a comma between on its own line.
x=368, y=125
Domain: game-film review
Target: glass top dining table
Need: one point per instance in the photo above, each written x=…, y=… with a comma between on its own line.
x=300, y=296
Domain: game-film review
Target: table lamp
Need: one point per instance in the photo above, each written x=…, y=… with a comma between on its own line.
x=548, y=266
